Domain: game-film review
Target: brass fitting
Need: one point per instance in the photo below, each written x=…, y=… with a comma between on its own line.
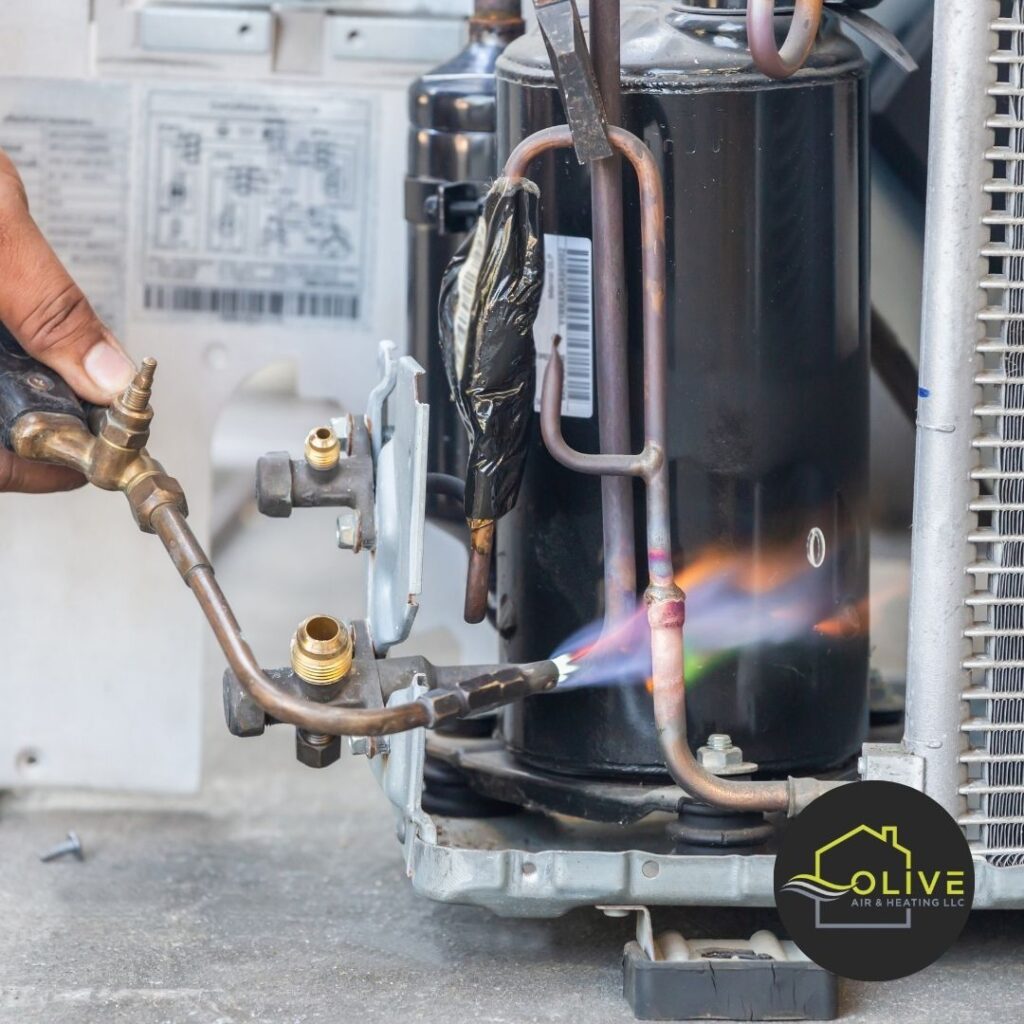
x=323, y=448
x=115, y=457
x=321, y=650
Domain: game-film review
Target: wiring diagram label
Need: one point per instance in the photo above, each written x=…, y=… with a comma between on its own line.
x=566, y=312
x=256, y=205
x=69, y=141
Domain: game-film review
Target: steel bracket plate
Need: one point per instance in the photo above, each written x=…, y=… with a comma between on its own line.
x=398, y=424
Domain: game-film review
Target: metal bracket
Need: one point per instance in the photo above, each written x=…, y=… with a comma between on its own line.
x=890, y=762
x=574, y=73
x=399, y=771
x=398, y=423
x=875, y=32
x=452, y=207
x=644, y=926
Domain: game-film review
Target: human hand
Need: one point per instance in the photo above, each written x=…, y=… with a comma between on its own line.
x=51, y=318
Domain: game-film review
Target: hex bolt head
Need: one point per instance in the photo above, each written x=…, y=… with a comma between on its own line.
x=720, y=754
x=349, y=530
x=343, y=427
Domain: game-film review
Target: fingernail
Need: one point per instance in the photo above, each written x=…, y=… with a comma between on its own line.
x=110, y=369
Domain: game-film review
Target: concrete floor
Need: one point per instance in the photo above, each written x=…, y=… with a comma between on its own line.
x=278, y=894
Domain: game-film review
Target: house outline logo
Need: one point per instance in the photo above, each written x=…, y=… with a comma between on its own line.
x=873, y=880
x=818, y=887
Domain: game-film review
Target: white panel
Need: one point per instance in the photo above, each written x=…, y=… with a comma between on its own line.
x=205, y=30
x=45, y=34
x=100, y=646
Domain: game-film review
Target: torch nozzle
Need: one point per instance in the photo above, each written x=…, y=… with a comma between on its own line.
x=137, y=395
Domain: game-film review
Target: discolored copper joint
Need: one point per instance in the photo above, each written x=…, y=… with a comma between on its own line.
x=148, y=493
x=666, y=610
x=498, y=15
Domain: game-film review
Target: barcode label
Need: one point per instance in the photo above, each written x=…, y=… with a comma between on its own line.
x=246, y=303
x=468, y=277
x=566, y=310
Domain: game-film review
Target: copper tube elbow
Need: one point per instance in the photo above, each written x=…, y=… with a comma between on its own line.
x=803, y=30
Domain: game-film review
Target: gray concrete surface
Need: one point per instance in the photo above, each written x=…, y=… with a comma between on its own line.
x=277, y=895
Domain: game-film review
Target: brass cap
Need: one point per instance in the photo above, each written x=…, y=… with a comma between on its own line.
x=323, y=449
x=321, y=650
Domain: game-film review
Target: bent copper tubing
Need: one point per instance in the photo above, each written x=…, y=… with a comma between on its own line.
x=611, y=325
x=643, y=465
x=650, y=463
x=665, y=601
x=803, y=30
x=457, y=698
x=192, y=562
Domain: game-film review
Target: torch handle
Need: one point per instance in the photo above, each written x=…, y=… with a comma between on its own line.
x=27, y=386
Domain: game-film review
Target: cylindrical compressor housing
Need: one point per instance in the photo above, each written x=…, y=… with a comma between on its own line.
x=767, y=248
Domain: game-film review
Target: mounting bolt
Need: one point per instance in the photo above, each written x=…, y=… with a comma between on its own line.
x=349, y=530
x=71, y=845
x=720, y=756
x=369, y=746
x=342, y=426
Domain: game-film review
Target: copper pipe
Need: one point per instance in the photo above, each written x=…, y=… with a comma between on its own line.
x=611, y=324
x=478, y=575
x=192, y=562
x=454, y=697
x=803, y=30
x=116, y=459
x=666, y=620
x=643, y=465
x=665, y=601
x=650, y=464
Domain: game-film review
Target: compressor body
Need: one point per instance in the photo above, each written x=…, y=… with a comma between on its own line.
x=768, y=400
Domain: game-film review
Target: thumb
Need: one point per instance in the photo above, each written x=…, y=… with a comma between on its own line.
x=45, y=310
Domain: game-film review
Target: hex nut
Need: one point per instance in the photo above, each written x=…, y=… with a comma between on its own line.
x=349, y=529
x=715, y=760
x=126, y=429
x=315, y=754
x=151, y=493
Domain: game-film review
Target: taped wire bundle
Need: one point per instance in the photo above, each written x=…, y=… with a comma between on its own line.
x=489, y=301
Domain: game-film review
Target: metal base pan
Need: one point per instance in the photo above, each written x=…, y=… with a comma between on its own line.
x=541, y=865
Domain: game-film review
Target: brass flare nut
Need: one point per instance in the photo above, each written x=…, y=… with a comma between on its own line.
x=321, y=650
x=323, y=448
x=148, y=493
